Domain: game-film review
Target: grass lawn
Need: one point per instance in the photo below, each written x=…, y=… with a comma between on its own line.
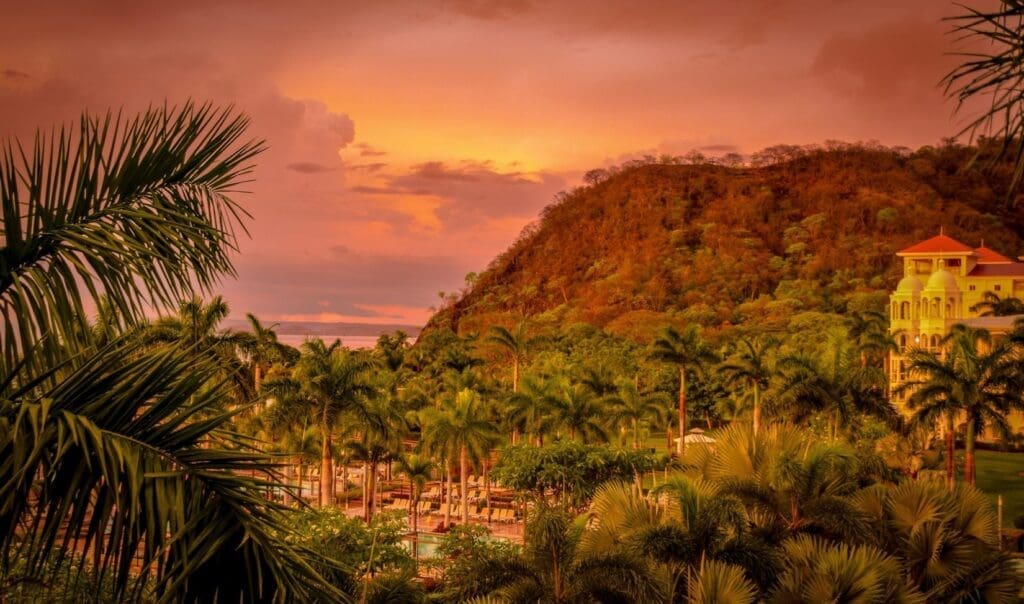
x=1000, y=474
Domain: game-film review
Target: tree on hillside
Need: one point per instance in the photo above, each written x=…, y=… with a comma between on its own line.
x=688, y=352
x=119, y=452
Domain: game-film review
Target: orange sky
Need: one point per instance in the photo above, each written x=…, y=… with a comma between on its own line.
x=411, y=141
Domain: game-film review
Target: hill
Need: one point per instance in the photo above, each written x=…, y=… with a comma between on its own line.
x=802, y=229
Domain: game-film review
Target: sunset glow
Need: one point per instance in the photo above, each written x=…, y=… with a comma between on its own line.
x=411, y=142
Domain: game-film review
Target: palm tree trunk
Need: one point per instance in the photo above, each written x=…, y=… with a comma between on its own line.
x=757, y=408
x=448, y=499
x=302, y=478
x=950, y=453
x=344, y=483
x=487, y=488
x=636, y=434
x=681, y=446
x=326, y=468
x=415, y=527
x=371, y=486
x=463, y=483
x=363, y=485
x=969, y=453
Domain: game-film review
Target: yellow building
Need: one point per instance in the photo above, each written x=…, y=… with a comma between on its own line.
x=943, y=279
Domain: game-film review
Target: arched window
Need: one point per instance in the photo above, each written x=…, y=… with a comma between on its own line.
x=903, y=342
x=935, y=341
x=904, y=310
x=893, y=315
x=935, y=308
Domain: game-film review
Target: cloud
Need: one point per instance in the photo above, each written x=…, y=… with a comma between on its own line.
x=366, y=150
x=308, y=167
x=371, y=167
x=491, y=10
x=892, y=62
x=14, y=74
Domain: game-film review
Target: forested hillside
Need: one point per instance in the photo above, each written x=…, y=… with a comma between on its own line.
x=661, y=241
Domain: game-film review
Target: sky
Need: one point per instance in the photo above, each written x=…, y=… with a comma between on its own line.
x=410, y=142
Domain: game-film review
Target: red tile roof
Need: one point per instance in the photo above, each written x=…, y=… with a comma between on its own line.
x=990, y=256
x=940, y=244
x=1012, y=269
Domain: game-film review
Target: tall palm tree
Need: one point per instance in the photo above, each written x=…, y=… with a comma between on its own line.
x=530, y=408
x=116, y=452
x=580, y=412
x=687, y=351
x=976, y=377
x=635, y=410
x=992, y=305
x=263, y=349
x=196, y=328
x=751, y=363
x=332, y=382
x=461, y=426
x=516, y=344
x=869, y=331
x=834, y=383
x=418, y=470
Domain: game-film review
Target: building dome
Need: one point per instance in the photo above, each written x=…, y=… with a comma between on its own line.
x=909, y=284
x=942, y=279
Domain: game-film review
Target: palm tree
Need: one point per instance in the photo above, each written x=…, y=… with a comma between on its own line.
x=418, y=470
x=834, y=383
x=516, y=345
x=580, y=412
x=751, y=364
x=947, y=542
x=976, y=377
x=635, y=409
x=682, y=526
x=117, y=453
x=555, y=568
x=869, y=331
x=687, y=351
x=791, y=481
x=263, y=349
x=530, y=408
x=819, y=571
x=333, y=383
x=195, y=328
x=461, y=426
x=992, y=72
x=991, y=305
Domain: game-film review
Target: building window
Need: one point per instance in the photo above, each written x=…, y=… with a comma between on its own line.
x=953, y=263
x=998, y=287
x=971, y=287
